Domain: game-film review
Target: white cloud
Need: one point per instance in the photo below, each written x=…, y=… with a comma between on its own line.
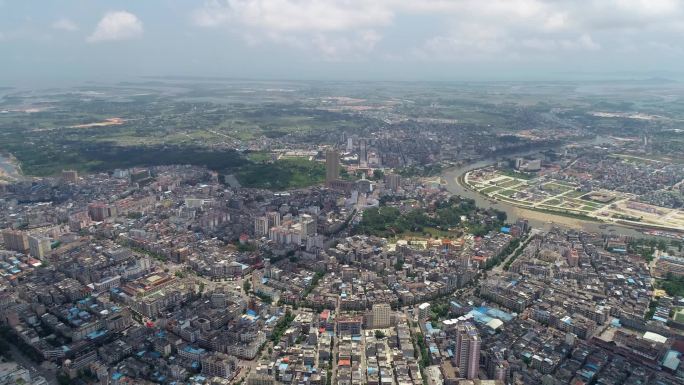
x=118, y=25
x=346, y=48
x=334, y=29
x=65, y=25
x=470, y=29
x=294, y=15
x=212, y=14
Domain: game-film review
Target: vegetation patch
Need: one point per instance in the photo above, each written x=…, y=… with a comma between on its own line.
x=282, y=174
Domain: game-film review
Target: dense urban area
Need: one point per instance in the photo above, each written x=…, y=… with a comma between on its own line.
x=186, y=231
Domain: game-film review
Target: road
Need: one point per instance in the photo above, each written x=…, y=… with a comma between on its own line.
x=36, y=370
x=499, y=268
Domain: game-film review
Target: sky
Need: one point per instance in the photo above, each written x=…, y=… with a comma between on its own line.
x=62, y=41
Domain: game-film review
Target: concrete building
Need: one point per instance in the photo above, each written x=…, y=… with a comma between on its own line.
x=332, y=166
x=15, y=240
x=218, y=365
x=424, y=311
x=382, y=314
x=273, y=218
x=99, y=211
x=261, y=226
x=392, y=182
x=363, y=152
x=39, y=246
x=467, y=354
x=308, y=224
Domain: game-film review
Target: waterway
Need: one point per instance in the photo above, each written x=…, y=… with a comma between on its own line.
x=537, y=219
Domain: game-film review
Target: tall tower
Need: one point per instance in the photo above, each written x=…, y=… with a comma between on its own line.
x=332, y=166
x=273, y=218
x=363, y=153
x=468, y=350
x=261, y=226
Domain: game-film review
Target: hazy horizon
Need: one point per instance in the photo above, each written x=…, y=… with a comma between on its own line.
x=68, y=42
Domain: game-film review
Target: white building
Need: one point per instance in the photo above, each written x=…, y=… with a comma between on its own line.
x=424, y=311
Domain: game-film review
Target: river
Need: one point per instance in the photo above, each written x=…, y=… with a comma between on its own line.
x=536, y=219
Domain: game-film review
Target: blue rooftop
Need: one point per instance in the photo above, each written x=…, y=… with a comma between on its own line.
x=192, y=350
x=95, y=334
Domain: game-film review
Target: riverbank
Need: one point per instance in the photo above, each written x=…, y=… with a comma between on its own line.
x=453, y=178
x=599, y=213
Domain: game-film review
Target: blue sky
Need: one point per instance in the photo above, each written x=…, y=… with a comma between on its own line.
x=62, y=41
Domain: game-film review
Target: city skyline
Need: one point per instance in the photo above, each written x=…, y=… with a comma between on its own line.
x=342, y=192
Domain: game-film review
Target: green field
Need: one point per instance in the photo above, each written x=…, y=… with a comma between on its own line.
x=282, y=174
x=490, y=189
x=574, y=194
x=156, y=128
x=259, y=156
x=508, y=183
x=558, y=188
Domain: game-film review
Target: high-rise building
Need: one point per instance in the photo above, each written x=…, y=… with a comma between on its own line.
x=424, y=311
x=79, y=221
x=363, y=152
x=273, y=219
x=497, y=366
x=350, y=144
x=392, y=181
x=332, y=166
x=382, y=314
x=99, y=211
x=38, y=246
x=261, y=226
x=308, y=225
x=518, y=163
x=15, y=240
x=467, y=355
